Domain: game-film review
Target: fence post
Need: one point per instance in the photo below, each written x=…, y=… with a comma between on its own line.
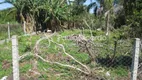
x=15, y=58
x=8, y=31
x=24, y=27
x=135, y=60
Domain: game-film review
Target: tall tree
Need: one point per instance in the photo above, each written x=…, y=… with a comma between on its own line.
x=133, y=13
x=41, y=13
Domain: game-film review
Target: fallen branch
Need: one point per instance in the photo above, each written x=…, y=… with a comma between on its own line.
x=70, y=55
x=25, y=55
x=65, y=65
x=36, y=49
x=43, y=38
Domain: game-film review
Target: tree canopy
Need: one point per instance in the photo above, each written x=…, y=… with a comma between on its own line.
x=58, y=15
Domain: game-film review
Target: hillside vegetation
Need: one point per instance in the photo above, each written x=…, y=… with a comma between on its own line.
x=101, y=64
x=62, y=40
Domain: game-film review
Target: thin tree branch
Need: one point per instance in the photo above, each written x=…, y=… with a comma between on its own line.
x=89, y=28
x=65, y=65
x=61, y=45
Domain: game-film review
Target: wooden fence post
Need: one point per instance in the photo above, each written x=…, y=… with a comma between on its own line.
x=15, y=58
x=135, y=60
x=8, y=31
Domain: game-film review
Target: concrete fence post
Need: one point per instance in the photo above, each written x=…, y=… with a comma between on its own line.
x=24, y=27
x=135, y=60
x=15, y=58
x=8, y=31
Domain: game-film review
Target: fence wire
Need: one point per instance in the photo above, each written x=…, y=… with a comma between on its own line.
x=115, y=57
x=15, y=29
x=112, y=60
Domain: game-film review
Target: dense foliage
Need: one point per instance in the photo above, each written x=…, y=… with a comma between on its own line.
x=102, y=41
x=5, y=16
x=65, y=14
x=133, y=13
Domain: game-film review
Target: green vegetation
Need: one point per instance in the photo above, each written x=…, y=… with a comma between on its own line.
x=15, y=29
x=55, y=53
x=106, y=38
x=7, y=16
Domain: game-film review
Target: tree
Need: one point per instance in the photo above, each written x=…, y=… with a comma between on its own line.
x=41, y=14
x=133, y=15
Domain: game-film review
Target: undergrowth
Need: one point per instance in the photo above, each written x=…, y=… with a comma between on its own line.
x=55, y=53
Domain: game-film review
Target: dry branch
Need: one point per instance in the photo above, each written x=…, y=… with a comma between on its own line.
x=65, y=65
x=36, y=51
x=25, y=55
x=61, y=45
x=72, y=57
x=89, y=28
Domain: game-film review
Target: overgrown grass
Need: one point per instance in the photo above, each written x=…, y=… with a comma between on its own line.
x=54, y=52
x=5, y=60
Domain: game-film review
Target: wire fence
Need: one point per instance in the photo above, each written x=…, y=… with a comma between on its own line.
x=45, y=58
x=15, y=29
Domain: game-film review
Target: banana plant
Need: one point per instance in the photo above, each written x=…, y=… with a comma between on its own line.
x=42, y=12
x=46, y=14
x=56, y=12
